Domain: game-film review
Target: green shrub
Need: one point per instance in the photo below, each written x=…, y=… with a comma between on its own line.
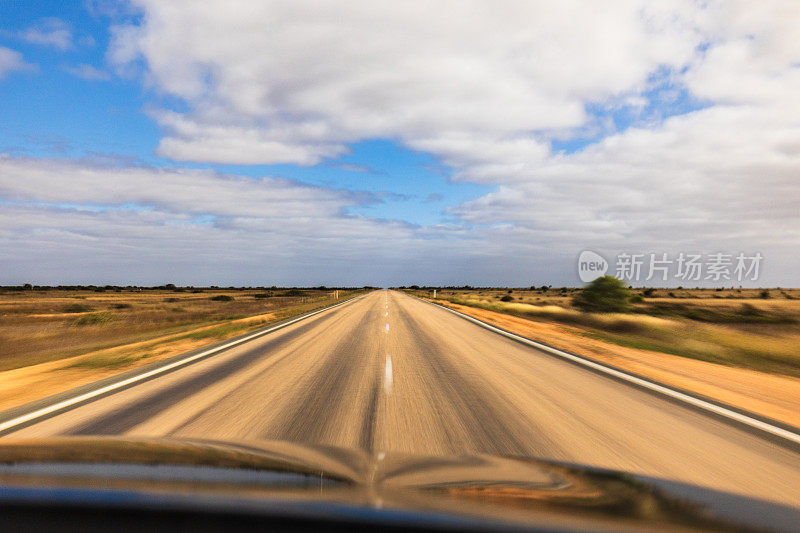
x=606, y=294
x=764, y=294
x=506, y=298
x=222, y=298
x=122, y=306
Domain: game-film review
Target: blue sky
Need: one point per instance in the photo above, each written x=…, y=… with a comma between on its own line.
x=487, y=148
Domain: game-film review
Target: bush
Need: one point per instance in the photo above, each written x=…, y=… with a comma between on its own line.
x=649, y=292
x=506, y=298
x=77, y=308
x=122, y=306
x=222, y=298
x=295, y=292
x=764, y=294
x=606, y=294
x=92, y=319
x=261, y=295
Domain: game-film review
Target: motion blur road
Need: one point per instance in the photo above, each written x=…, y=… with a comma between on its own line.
x=387, y=372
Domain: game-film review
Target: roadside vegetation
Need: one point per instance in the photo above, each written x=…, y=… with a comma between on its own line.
x=757, y=329
x=40, y=324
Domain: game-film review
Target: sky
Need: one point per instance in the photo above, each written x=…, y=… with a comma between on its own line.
x=394, y=143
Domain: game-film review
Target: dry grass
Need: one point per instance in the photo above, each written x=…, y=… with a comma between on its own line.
x=732, y=327
x=37, y=326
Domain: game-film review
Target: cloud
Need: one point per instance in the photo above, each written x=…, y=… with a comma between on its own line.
x=64, y=221
x=279, y=82
x=49, y=32
x=185, y=192
x=687, y=112
x=97, y=221
x=87, y=72
x=684, y=115
x=11, y=60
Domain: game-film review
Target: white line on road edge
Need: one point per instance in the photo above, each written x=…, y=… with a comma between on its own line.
x=388, y=375
x=697, y=402
x=44, y=411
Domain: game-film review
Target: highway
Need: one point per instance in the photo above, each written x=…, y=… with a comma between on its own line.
x=388, y=372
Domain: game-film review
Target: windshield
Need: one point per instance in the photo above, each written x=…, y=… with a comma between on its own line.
x=384, y=247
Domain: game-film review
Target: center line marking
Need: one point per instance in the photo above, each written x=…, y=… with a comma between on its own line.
x=387, y=328
x=388, y=377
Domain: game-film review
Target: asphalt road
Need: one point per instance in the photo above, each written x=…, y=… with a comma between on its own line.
x=387, y=372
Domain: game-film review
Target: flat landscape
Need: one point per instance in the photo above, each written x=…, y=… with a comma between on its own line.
x=387, y=372
x=39, y=325
x=55, y=339
x=757, y=329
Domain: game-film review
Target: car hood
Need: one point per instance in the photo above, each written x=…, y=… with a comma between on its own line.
x=282, y=477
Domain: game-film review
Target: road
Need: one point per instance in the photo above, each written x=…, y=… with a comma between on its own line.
x=387, y=372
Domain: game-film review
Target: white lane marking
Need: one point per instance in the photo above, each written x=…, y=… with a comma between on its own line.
x=387, y=328
x=44, y=411
x=708, y=406
x=387, y=382
x=386, y=314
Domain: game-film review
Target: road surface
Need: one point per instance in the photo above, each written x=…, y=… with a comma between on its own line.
x=387, y=372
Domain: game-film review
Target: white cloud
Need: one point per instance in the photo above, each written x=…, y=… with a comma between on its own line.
x=11, y=60
x=295, y=81
x=49, y=32
x=73, y=222
x=63, y=220
x=87, y=72
x=184, y=192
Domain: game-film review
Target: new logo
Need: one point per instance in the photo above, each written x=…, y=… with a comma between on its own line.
x=591, y=266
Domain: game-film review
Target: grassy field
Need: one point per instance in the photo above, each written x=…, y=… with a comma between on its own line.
x=40, y=325
x=747, y=328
